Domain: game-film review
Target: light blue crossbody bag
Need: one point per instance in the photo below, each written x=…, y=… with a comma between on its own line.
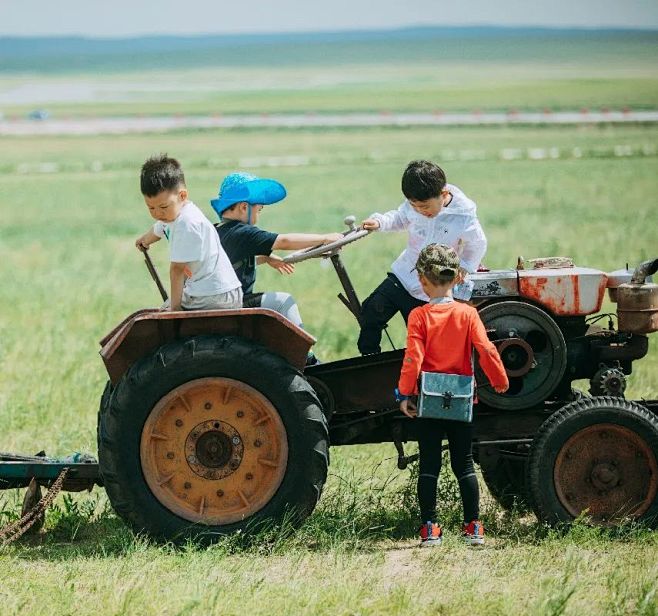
x=446, y=396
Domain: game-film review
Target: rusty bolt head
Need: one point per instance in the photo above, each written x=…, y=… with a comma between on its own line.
x=179, y=422
x=234, y=464
x=249, y=476
x=191, y=459
x=240, y=413
x=235, y=440
x=207, y=406
x=187, y=485
x=568, y=455
x=170, y=455
x=195, y=434
x=220, y=493
x=217, y=425
x=257, y=443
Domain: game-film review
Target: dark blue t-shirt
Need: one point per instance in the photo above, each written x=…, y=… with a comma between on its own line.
x=243, y=243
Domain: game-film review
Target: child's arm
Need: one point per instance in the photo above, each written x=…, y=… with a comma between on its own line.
x=296, y=241
x=413, y=356
x=276, y=263
x=394, y=220
x=475, y=246
x=177, y=279
x=488, y=355
x=144, y=241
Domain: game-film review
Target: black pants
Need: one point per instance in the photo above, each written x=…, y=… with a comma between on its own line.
x=459, y=436
x=389, y=298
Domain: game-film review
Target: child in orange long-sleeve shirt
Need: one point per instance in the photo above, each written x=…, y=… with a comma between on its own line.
x=441, y=337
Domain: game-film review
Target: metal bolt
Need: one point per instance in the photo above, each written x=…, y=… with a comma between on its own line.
x=240, y=413
x=568, y=455
x=249, y=476
x=187, y=485
x=207, y=406
x=234, y=465
x=216, y=425
x=195, y=434
x=638, y=454
x=179, y=422
x=236, y=440
x=257, y=443
x=220, y=493
x=191, y=459
x=170, y=455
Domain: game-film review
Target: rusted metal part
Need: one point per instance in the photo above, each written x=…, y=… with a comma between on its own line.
x=607, y=470
x=154, y=274
x=637, y=302
x=517, y=355
x=33, y=516
x=362, y=383
x=17, y=471
x=214, y=451
x=145, y=331
x=564, y=291
x=351, y=302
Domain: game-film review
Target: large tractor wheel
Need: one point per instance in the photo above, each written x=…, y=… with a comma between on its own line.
x=598, y=456
x=209, y=436
x=505, y=477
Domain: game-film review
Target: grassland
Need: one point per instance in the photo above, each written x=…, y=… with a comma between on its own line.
x=70, y=272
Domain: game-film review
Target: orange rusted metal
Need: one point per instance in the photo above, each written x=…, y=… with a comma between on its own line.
x=214, y=451
x=572, y=291
x=607, y=470
x=146, y=330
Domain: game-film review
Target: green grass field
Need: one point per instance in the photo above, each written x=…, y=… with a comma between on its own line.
x=71, y=272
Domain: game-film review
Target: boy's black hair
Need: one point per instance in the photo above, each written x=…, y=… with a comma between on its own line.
x=422, y=180
x=160, y=173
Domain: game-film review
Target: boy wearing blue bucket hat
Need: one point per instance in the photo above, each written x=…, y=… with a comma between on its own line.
x=239, y=203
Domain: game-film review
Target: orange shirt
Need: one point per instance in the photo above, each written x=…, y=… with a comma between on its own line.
x=441, y=338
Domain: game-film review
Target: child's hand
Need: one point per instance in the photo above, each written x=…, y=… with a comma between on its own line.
x=280, y=265
x=501, y=390
x=408, y=408
x=332, y=237
x=461, y=275
x=140, y=243
x=370, y=224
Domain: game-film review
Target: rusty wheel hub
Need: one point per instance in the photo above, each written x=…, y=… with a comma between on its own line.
x=214, y=451
x=607, y=470
x=517, y=356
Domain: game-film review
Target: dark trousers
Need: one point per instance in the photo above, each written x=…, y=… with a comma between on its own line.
x=459, y=437
x=389, y=298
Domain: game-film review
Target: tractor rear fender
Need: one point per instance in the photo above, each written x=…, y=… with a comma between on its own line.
x=146, y=330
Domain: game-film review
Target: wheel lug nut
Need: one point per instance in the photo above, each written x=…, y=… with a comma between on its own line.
x=249, y=476
x=257, y=443
x=179, y=422
x=187, y=485
x=240, y=413
x=236, y=440
x=220, y=493
x=170, y=455
x=207, y=406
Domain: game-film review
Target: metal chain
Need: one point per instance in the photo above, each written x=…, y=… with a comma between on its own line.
x=17, y=529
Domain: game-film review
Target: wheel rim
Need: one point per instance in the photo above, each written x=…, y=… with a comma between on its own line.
x=214, y=451
x=608, y=470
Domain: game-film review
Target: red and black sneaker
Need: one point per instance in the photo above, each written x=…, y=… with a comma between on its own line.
x=473, y=533
x=430, y=535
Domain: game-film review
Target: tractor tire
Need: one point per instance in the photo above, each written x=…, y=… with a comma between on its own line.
x=599, y=457
x=505, y=478
x=209, y=436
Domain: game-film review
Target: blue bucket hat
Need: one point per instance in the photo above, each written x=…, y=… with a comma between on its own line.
x=238, y=187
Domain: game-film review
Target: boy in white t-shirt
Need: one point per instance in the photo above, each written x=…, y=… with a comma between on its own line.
x=201, y=274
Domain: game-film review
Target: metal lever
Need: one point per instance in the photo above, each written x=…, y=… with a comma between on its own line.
x=349, y=221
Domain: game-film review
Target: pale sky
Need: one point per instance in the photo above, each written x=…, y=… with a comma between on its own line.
x=102, y=18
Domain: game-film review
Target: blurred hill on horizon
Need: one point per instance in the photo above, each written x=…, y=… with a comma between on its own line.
x=420, y=45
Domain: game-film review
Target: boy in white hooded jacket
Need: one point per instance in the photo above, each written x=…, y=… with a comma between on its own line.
x=433, y=212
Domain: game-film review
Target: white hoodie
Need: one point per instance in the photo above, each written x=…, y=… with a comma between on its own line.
x=456, y=225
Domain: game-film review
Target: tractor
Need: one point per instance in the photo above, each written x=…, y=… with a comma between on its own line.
x=211, y=423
